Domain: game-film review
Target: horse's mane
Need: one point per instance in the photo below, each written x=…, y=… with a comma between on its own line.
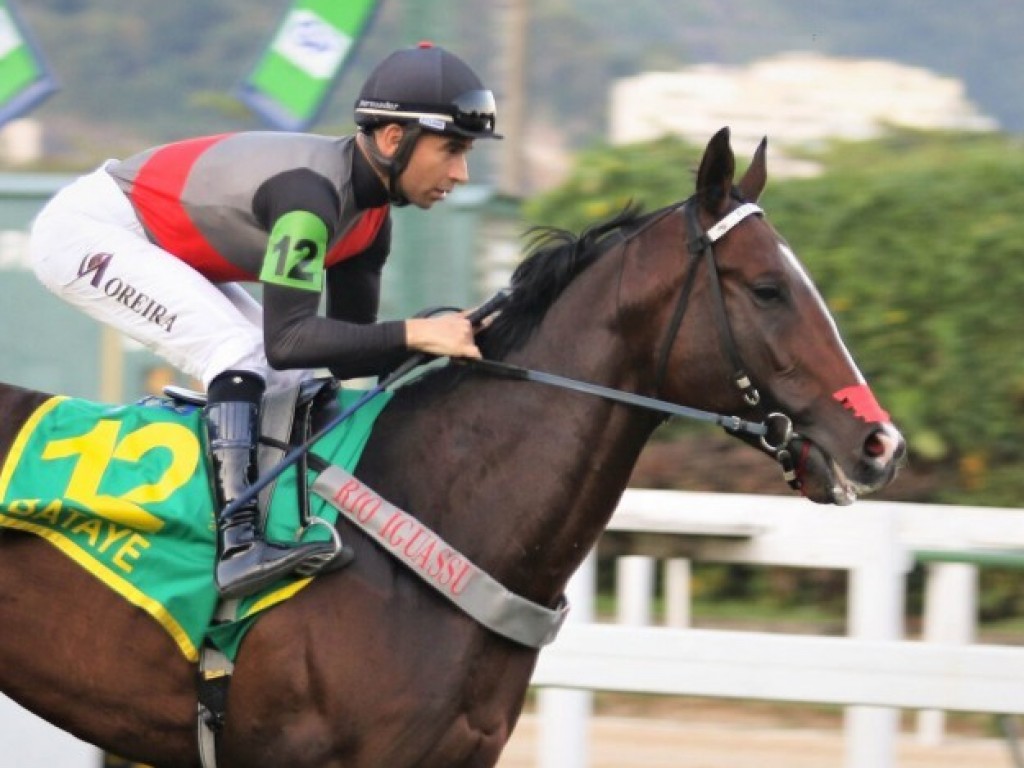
x=554, y=258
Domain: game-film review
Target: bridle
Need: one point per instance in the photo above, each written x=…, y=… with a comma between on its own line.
x=774, y=434
x=701, y=244
x=701, y=247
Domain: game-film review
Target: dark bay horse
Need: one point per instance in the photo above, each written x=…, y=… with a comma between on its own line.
x=366, y=668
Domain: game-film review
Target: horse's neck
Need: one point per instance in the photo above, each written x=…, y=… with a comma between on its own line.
x=576, y=454
x=519, y=476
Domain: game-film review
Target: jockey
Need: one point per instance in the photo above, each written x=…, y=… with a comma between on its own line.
x=156, y=245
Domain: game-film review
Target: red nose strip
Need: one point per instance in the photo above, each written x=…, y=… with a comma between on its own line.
x=861, y=401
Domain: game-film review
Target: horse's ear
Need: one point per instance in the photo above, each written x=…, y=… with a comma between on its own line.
x=714, y=179
x=752, y=184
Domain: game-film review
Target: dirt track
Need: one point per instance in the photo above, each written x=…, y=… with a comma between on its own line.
x=623, y=742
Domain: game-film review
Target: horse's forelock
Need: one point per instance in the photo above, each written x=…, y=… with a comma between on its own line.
x=554, y=258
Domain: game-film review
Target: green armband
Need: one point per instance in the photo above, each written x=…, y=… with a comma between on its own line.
x=296, y=251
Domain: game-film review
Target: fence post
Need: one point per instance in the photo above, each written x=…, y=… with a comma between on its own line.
x=875, y=612
x=563, y=716
x=678, y=592
x=950, y=614
x=634, y=590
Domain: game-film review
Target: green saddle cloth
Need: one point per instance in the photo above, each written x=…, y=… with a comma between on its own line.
x=124, y=491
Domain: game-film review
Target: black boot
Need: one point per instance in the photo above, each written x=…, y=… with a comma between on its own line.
x=246, y=561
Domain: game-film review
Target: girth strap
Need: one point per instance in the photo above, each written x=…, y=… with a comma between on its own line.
x=213, y=678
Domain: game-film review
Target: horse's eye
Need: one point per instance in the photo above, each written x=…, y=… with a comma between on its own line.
x=767, y=292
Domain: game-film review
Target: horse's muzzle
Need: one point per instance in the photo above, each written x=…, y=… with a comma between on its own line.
x=825, y=480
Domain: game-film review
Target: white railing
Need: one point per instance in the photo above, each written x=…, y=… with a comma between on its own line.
x=874, y=672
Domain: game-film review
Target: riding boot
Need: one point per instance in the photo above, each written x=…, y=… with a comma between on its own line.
x=246, y=561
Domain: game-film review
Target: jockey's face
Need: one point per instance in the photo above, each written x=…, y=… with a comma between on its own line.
x=437, y=164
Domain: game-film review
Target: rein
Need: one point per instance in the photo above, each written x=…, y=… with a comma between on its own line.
x=509, y=371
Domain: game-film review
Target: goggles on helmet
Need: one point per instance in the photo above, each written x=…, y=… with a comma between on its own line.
x=475, y=111
x=470, y=114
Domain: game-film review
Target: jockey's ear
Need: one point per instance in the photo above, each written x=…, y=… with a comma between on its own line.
x=388, y=138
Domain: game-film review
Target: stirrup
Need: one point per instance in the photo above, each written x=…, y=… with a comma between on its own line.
x=338, y=557
x=263, y=563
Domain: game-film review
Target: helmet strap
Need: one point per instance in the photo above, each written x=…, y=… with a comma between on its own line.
x=393, y=167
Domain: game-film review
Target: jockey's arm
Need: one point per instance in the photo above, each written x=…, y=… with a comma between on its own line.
x=296, y=336
x=349, y=340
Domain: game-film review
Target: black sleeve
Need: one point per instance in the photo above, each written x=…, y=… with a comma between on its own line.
x=353, y=295
x=297, y=337
x=353, y=285
x=348, y=341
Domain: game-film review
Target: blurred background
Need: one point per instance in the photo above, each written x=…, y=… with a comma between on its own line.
x=896, y=171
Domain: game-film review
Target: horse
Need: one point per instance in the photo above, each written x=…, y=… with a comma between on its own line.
x=701, y=303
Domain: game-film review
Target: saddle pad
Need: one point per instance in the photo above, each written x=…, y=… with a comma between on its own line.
x=124, y=491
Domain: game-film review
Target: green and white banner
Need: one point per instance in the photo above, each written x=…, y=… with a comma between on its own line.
x=25, y=79
x=292, y=79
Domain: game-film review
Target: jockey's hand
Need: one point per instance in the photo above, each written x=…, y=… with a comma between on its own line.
x=442, y=336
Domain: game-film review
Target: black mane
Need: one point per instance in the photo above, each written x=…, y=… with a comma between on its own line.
x=554, y=258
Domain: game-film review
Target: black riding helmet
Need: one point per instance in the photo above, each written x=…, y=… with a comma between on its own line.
x=425, y=88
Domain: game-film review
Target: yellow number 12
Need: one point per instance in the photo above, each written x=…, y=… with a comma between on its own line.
x=98, y=447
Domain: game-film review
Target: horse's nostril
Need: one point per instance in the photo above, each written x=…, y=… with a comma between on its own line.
x=874, y=446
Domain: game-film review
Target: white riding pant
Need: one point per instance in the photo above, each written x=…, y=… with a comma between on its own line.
x=89, y=248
